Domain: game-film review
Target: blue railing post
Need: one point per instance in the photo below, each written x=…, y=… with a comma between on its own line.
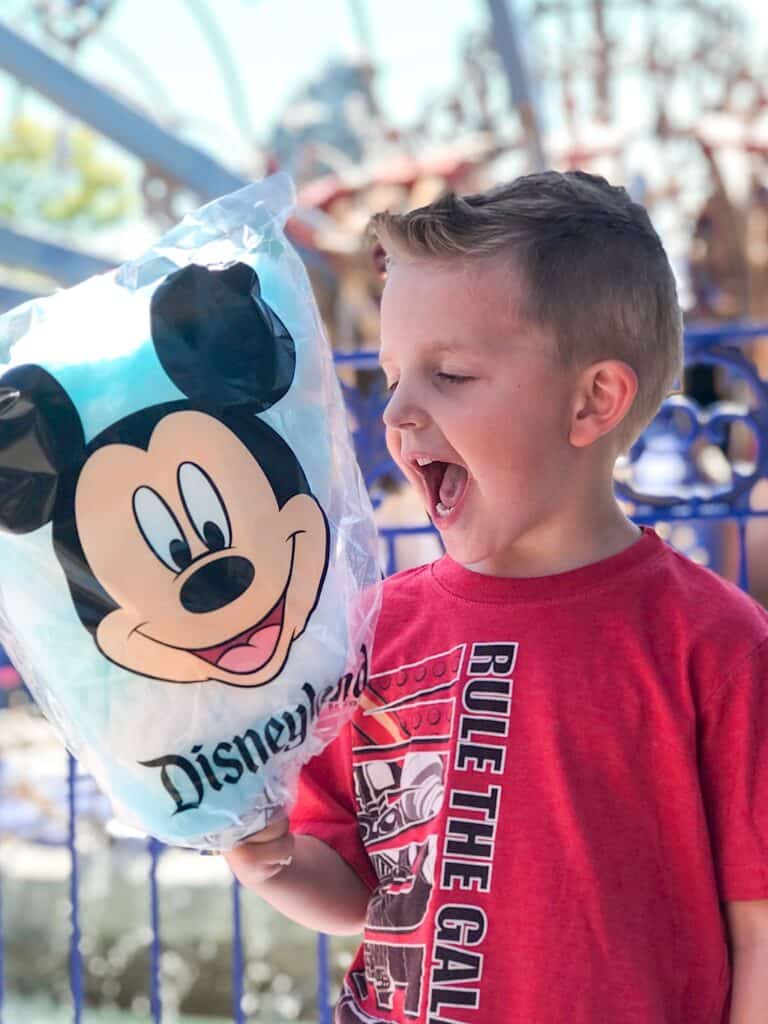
x=238, y=960
x=743, y=558
x=323, y=979
x=155, y=849
x=75, y=958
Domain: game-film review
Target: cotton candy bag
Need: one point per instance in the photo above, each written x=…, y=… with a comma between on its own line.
x=188, y=561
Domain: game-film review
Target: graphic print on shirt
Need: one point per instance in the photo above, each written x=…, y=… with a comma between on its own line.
x=394, y=718
x=394, y=796
x=406, y=877
x=419, y=723
x=349, y=1011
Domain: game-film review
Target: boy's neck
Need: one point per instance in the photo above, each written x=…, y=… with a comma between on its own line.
x=564, y=544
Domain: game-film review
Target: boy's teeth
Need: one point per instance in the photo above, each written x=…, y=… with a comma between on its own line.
x=423, y=462
x=442, y=510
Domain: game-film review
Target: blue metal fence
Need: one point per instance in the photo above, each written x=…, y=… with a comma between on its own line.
x=695, y=474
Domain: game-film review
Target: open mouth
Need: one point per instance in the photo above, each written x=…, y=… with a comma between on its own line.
x=446, y=484
x=250, y=650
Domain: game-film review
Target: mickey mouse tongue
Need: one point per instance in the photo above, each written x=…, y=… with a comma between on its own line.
x=252, y=648
x=452, y=485
x=251, y=656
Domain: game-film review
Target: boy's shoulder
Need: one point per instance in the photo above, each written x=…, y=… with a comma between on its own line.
x=704, y=624
x=710, y=598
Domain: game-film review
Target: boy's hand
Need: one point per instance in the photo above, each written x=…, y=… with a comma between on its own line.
x=303, y=878
x=262, y=856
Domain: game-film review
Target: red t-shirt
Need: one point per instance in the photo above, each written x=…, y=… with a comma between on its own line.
x=550, y=786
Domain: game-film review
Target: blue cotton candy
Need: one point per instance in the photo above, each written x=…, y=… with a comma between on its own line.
x=188, y=561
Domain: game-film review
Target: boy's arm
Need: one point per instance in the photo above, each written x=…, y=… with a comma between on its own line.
x=748, y=932
x=733, y=767
x=328, y=882
x=303, y=878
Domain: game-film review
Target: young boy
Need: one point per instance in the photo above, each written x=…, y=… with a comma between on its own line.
x=552, y=805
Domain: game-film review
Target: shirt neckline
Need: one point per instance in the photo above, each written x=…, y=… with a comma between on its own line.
x=475, y=586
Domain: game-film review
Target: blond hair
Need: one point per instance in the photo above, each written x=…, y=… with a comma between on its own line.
x=594, y=270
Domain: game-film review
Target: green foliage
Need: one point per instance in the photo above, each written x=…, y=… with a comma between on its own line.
x=60, y=176
x=27, y=143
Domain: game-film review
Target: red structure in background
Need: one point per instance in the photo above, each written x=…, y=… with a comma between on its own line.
x=9, y=677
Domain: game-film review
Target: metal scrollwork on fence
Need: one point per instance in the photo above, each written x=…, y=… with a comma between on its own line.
x=685, y=464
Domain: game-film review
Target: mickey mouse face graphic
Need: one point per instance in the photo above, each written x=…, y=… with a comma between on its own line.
x=191, y=544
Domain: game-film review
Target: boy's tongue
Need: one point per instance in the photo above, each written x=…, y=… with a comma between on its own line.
x=452, y=484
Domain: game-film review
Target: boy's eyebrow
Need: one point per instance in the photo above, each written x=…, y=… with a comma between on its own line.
x=449, y=346
x=437, y=347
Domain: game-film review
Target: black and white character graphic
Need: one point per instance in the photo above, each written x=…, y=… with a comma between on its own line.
x=406, y=877
x=388, y=968
x=349, y=1011
x=394, y=796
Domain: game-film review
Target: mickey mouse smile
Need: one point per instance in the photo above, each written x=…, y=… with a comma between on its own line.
x=251, y=649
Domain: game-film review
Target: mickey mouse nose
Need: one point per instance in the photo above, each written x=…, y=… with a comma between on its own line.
x=217, y=584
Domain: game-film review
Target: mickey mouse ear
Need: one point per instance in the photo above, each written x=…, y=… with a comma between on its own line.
x=40, y=437
x=219, y=341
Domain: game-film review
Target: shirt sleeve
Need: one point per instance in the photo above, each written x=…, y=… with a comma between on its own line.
x=733, y=754
x=326, y=808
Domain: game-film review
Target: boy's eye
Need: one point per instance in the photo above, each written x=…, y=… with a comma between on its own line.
x=391, y=386
x=453, y=378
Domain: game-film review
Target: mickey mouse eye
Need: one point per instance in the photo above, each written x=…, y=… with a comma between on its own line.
x=205, y=507
x=160, y=529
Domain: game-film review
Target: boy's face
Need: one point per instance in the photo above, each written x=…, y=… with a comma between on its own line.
x=482, y=394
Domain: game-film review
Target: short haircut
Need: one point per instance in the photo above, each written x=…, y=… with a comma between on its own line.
x=594, y=270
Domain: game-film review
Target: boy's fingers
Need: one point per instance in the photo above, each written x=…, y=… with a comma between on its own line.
x=263, y=855
x=250, y=855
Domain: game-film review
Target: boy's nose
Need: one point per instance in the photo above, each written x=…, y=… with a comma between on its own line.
x=403, y=411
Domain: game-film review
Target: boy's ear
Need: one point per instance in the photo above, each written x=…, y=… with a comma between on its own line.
x=604, y=395
x=219, y=341
x=41, y=437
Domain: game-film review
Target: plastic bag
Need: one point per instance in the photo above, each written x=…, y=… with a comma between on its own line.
x=188, y=561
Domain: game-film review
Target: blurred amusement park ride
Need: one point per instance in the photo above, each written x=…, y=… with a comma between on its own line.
x=665, y=96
